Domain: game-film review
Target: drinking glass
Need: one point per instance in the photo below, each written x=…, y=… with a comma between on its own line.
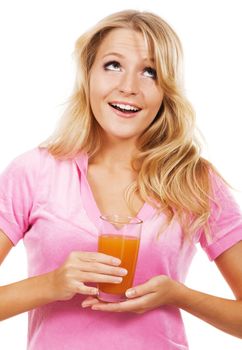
x=119, y=236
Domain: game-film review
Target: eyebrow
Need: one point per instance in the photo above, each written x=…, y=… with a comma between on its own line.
x=122, y=56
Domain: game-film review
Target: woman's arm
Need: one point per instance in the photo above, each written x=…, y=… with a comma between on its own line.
x=60, y=284
x=5, y=246
x=22, y=296
x=222, y=313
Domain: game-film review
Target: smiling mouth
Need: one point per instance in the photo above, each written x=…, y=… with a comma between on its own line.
x=125, y=108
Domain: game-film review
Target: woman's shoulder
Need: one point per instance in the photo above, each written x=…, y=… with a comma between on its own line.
x=30, y=159
x=28, y=163
x=40, y=163
x=31, y=155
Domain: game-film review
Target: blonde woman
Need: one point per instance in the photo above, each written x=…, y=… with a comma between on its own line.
x=125, y=145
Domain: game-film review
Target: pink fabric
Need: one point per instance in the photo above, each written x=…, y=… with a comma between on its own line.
x=48, y=203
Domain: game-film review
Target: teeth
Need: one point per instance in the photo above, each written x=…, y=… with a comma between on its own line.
x=126, y=107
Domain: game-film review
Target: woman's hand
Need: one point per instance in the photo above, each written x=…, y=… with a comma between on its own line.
x=84, y=267
x=158, y=291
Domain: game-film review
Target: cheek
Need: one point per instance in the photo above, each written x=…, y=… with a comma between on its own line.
x=101, y=85
x=158, y=98
x=155, y=102
x=96, y=92
x=152, y=94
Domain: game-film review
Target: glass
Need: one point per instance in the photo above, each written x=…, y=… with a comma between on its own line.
x=119, y=236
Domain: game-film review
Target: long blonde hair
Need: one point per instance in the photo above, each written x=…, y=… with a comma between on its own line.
x=172, y=175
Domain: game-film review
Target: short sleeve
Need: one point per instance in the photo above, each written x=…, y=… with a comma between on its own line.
x=17, y=185
x=225, y=220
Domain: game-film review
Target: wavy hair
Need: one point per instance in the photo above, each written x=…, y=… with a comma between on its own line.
x=172, y=175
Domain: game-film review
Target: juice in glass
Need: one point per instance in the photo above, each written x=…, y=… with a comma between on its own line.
x=119, y=237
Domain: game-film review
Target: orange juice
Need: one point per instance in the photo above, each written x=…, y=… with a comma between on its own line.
x=126, y=249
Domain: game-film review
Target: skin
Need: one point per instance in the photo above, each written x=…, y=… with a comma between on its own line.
x=127, y=80
x=128, y=83
x=122, y=71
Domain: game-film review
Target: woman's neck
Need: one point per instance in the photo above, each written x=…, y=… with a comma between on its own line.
x=118, y=155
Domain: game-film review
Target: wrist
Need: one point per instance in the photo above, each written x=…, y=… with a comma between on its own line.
x=177, y=292
x=48, y=288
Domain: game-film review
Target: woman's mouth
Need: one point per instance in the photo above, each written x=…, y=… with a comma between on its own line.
x=124, y=109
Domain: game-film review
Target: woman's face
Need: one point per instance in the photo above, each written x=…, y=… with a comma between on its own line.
x=124, y=94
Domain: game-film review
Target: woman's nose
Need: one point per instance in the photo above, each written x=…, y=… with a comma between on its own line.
x=129, y=84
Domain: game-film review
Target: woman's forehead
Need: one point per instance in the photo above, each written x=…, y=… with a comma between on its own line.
x=122, y=41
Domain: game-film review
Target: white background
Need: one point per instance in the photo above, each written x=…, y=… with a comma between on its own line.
x=36, y=77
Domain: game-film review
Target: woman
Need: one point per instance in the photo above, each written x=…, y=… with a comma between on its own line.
x=125, y=145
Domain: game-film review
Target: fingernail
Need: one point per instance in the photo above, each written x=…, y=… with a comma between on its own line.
x=123, y=272
x=94, y=291
x=130, y=293
x=118, y=280
x=94, y=307
x=85, y=304
x=116, y=261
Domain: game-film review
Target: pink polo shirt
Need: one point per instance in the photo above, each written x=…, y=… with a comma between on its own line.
x=49, y=204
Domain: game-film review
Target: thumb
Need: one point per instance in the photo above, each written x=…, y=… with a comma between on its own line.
x=89, y=301
x=138, y=291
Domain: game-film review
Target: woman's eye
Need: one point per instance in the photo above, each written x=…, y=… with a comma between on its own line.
x=150, y=72
x=113, y=65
